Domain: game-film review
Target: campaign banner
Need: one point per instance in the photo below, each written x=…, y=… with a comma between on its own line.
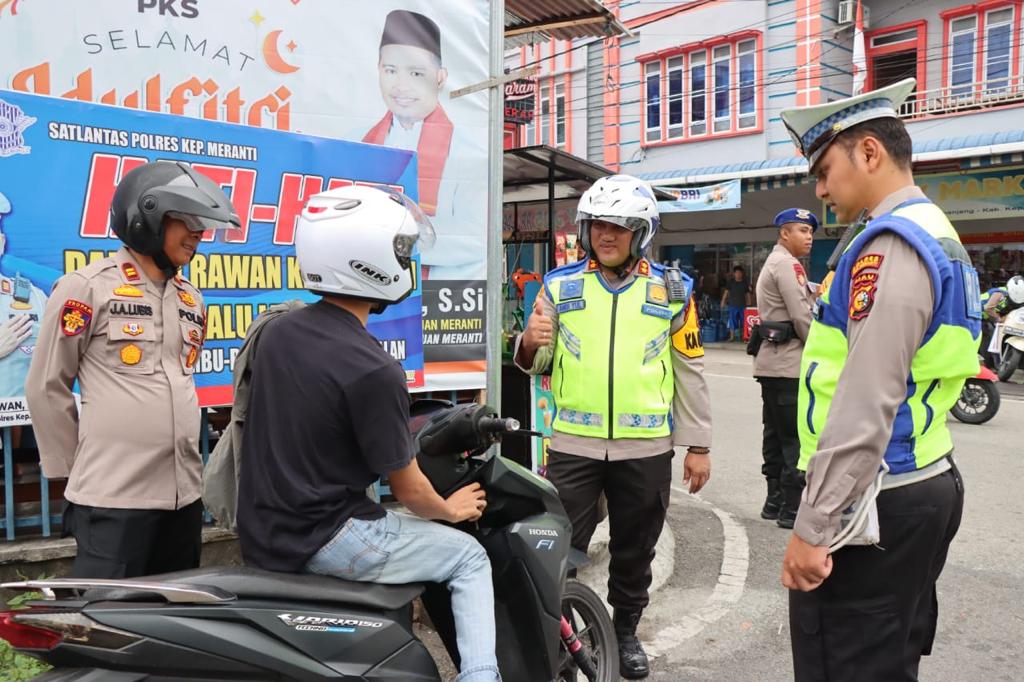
x=379, y=73
x=60, y=162
x=717, y=197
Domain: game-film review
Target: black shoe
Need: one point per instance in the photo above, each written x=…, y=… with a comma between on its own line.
x=633, y=664
x=773, y=501
x=787, y=517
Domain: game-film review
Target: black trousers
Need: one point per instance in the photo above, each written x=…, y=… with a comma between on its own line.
x=637, y=491
x=875, y=616
x=780, y=446
x=988, y=328
x=126, y=543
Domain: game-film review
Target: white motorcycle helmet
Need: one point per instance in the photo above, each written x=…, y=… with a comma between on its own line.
x=625, y=201
x=358, y=241
x=1015, y=289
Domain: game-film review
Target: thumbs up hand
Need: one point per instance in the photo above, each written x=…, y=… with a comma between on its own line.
x=539, y=328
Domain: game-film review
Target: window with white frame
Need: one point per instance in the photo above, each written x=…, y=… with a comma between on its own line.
x=698, y=93
x=701, y=91
x=962, y=56
x=722, y=56
x=545, y=114
x=560, y=114
x=652, y=96
x=674, y=82
x=981, y=51
x=998, y=31
x=747, y=100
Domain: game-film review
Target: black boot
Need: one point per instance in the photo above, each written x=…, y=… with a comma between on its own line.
x=790, y=504
x=773, y=501
x=632, y=657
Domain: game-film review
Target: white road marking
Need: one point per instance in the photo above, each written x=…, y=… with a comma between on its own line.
x=732, y=579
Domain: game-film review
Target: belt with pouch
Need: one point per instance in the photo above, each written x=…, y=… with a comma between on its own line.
x=772, y=332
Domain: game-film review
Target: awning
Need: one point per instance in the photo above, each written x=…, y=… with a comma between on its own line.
x=532, y=21
x=529, y=171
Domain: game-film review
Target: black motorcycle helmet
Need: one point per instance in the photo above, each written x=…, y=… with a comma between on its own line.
x=148, y=193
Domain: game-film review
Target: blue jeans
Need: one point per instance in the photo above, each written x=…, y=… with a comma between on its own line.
x=400, y=548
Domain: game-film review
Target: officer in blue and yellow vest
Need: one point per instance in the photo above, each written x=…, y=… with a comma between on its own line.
x=894, y=336
x=621, y=339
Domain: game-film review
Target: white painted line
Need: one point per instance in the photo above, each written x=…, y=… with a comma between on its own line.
x=732, y=579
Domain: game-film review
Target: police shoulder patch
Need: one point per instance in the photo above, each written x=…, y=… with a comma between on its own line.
x=864, y=284
x=687, y=340
x=801, y=276
x=75, y=317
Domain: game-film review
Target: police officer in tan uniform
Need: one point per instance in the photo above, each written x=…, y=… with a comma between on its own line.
x=894, y=335
x=129, y=329
x=784, y=309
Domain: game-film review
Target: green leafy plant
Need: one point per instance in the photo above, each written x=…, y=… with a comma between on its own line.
x=16, y=667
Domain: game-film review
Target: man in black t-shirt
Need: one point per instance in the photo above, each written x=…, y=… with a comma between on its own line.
x=328, y=416
x=736, y=294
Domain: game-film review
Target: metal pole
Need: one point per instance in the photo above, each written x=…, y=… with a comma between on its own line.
x=496, y=102
x=8, y=483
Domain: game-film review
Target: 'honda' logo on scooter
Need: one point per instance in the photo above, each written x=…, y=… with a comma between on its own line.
x=544, y=531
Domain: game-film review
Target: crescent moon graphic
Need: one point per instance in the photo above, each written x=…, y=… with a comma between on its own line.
x=272, y=56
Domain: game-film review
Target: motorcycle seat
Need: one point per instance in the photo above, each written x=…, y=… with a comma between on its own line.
x=252, y=583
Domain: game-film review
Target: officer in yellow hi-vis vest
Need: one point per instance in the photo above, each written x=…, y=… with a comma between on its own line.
x=894, y=336
x=621, y=339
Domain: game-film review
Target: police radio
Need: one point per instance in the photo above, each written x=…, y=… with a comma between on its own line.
x=674, y=284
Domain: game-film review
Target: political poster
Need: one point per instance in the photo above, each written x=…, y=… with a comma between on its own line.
x=60, y=162
x=378, y=73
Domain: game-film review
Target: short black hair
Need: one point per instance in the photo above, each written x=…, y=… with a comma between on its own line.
x=740, y=268
x=889, y=131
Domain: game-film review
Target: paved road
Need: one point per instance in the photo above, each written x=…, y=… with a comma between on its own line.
x=981, y=624
x=719, y=611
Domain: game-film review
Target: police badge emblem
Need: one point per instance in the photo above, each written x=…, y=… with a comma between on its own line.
x=13, y=123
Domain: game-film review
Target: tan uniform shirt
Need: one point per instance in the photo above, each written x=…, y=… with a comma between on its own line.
x=132, y=344
x=783, y=296
x=691, y=402
x=872, y=385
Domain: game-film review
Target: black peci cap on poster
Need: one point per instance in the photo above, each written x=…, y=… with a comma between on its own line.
x=410, y=28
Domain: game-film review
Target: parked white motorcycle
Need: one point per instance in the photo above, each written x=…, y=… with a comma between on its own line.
x=1008, y=341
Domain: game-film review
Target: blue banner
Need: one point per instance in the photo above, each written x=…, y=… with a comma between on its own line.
x=60, y=161
x=717, y=197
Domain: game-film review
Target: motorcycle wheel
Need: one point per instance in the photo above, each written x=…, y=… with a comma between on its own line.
x=978, y=402
x=1008, y=363
x=589, y=616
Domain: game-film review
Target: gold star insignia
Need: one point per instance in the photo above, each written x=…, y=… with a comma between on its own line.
x=257, y=18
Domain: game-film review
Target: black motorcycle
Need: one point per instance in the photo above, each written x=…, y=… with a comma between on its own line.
x=248, y=624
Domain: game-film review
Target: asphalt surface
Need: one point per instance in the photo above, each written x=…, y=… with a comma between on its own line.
x=719, y=612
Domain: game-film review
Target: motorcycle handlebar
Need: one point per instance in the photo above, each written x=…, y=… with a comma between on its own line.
x=498, y=425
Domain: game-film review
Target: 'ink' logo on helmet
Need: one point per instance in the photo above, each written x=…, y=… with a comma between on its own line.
x=369, y=272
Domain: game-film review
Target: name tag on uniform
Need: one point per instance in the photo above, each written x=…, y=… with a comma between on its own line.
x=972, y=290
x=656, y=311
x=569, y=306
x=570, y=288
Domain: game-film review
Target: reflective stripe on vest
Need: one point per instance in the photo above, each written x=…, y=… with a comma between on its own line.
x=945, y=358
x=612, y=371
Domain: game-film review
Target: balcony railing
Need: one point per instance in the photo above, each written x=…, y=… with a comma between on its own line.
x=971, y=97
